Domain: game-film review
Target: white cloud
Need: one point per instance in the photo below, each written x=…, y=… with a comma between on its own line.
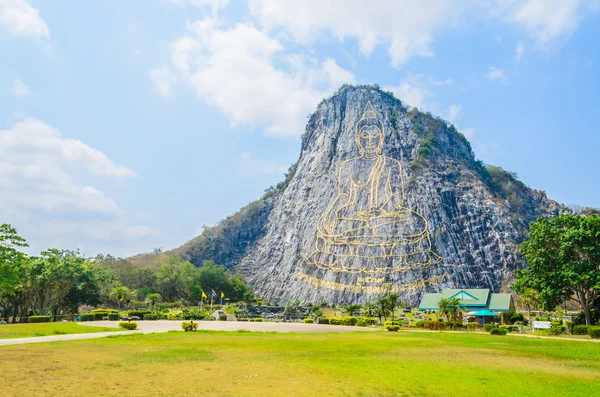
x=454, y=112
x=39, y=180
x=162, y=81
x=405, y=28
x=18, y=17
x=519, y=51
x=18, y=88
x=548, y=20
x=495, y=73
x=215, y=5
x=268, y=167
x=235, y=69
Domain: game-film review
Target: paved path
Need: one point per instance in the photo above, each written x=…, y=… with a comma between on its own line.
x=148, y=327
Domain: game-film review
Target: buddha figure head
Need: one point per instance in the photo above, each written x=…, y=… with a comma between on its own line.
x=369, y=133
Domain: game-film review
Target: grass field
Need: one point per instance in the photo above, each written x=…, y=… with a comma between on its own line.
x=326, y=364
x=9, y=331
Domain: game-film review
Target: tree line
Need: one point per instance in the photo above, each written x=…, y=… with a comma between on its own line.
x=57, y=282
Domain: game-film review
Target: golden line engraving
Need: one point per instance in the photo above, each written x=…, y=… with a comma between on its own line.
x=367, y=228
x=368, y=289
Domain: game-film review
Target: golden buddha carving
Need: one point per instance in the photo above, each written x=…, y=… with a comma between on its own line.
x=367, y=228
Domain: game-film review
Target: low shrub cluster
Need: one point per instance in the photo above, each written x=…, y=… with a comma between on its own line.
x=498, y=331
x=242, y=319
x=435, y=325
x=258, y=320
x=114, y=316
x=472, y=326
x=223, y=317
x=365, y=321
x=38, y=319
x=323, y=320
x=392, y=328
x=151, y=316
x=490, y=326
x=594, y=332
x=349, y=320
x=580, y=329
x=308, y=321
x=556, y=328
x=335, y=321
x=189, y=326
x=130, y=326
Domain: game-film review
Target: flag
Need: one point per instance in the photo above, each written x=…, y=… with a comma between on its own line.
x=214, y=293
x=222, y=295
x=204, y=295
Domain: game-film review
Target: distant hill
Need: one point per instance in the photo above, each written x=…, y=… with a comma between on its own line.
x=353, y=220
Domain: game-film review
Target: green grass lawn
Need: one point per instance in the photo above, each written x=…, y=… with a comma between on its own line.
x=9, y=331
x=302, y=364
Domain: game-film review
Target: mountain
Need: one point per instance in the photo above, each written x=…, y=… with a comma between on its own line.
x=383, y=198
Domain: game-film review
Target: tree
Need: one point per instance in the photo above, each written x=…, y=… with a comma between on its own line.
x=444, y=308
x=10, y=258
x=383, y=309
x=351, y=310
x=120, y=294
x=370, y=308
x=152, y=300
x=393, y=303
x=564, y=261
x=530, y=298
x=454, y=307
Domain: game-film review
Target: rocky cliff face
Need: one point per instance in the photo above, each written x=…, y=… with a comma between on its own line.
x=383, y=199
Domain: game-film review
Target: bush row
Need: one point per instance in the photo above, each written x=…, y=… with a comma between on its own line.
x=38, y=319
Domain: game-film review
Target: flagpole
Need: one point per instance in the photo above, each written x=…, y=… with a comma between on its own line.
x=211, y=302
x=221, y=300
x=201, y=302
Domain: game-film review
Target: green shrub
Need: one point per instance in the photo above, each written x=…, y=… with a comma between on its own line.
x=490, y=326
x=106, y=312
x=472, y=326
x=223, y=317
x=365, y=321
x=138, y=313
x=128, y=325
x=86, y=317
x=569, y=325
x=391, y=322
x=323, y=320
x=420, y=324
x=498, y=331
x=194, y=315
x=580, y=329
x=514, y=317
x=435, y=325
x=556, y=329
x=38, y=319
x=335, y=321
x=349, y=321
x=242, y=319
x=308, y=321
x=151, y=316
x=392, y=328
x=114, y=316
x=594, y=332
x=258, y=320
x=189, y=326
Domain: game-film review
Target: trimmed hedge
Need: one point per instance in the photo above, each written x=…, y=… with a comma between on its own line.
x=151, y=316
x=138, y=313
x=242, y=319
x=223, y=317
x=392, y=328
x=349, y=321
x=258, y=320
x=323, y=320
x=489, y=326
x=308, y=321
x=580, y=329
x=189, y=326
x=498, y=331
x=86, y=317
x=114, y=316
x=38, y=319
x=99, y=316
x=130, y=326
x=594, y=332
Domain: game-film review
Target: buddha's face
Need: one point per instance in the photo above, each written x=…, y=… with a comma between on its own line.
x=370, y=140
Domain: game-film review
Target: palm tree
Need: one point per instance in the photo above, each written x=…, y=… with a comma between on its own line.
x=530, y=298
x=393, y=303
x=352, y=309
x=454, y=307
x=370, y=308
x=152, y=300
x=120, y=294
x=444, y=308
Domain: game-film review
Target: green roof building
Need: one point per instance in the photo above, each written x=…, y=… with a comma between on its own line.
x=471, y=300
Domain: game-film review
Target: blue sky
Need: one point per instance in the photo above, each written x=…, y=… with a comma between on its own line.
x=126, y=126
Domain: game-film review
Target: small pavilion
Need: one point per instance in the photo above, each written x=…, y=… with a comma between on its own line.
x=480, y=300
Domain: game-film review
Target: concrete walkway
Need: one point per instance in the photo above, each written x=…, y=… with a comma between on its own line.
x=149, y=327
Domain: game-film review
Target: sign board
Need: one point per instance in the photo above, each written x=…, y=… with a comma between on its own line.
x=540, y=324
